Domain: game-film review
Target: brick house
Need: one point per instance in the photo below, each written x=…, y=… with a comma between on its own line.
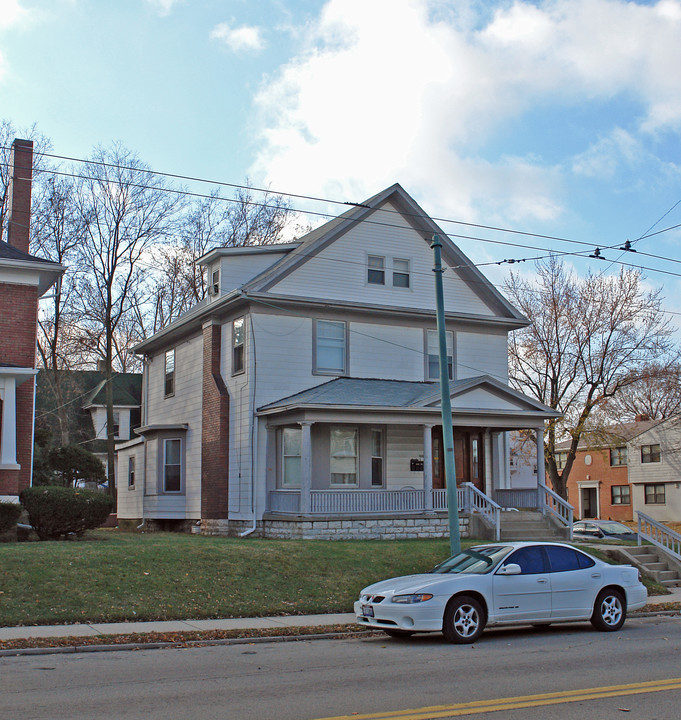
x=599, y=485
x=24, y=278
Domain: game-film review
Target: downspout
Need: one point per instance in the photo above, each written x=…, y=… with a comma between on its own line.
x=30, y=476
x=251, y=401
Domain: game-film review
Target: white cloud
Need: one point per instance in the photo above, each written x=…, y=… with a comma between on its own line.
x=11, y=13
x=238, y=39
x=410, y=90
x=603, y=157
x=163, y=7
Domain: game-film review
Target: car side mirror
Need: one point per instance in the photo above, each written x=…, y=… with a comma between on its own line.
x=510, y=569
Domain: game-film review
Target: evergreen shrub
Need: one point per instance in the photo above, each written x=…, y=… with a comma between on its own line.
x=55, y=512
x=9, y=514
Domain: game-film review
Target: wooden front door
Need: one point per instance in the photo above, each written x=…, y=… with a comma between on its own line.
x=467, y=458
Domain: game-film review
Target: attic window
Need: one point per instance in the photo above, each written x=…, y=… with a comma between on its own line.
x=376, y=270
x=215, y=283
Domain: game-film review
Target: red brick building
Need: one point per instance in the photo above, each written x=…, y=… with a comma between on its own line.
x=24, y=278
x=598, y=485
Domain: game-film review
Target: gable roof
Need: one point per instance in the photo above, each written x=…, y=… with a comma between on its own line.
x=319, y=238
x=409, y=396
x=49, y=271
x=611, y=436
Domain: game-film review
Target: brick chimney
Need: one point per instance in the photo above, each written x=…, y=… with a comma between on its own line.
x=19, y=194
x=642, y=417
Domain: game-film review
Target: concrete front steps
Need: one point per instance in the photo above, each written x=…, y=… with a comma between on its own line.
x=654, y=562
x=528, y=525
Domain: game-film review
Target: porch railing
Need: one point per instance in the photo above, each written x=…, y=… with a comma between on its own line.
x=521, y=498
x=550, y=503
x=658, y=534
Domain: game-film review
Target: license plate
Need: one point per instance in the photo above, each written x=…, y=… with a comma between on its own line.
x=367, y=611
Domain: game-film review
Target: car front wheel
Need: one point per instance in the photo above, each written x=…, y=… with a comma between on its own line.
x=610, y=611
x=464, y=620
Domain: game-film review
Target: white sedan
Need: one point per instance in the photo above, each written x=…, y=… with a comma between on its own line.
x=505, y=583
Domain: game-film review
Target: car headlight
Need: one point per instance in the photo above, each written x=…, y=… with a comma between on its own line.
x=413, y=598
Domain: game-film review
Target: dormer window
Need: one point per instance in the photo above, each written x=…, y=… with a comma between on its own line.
x=214, y=288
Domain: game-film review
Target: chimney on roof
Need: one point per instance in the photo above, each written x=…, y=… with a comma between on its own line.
x=642, y=417
x=19, y=194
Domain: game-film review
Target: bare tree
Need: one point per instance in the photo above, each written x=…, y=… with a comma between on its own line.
x=654, y=391
x=125, y=211
x=588, y=339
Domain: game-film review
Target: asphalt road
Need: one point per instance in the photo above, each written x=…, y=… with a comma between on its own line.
x=561, y=672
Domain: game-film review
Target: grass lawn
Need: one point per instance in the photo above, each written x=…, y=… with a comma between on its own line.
x=115, y=576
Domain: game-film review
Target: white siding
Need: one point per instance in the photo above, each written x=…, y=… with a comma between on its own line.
x=480, y=398
x=339, y=271
x=386, y=351
x=183, y=407
x=235, y=270
x=482, y=353
x=130, y=500
x=403, y=443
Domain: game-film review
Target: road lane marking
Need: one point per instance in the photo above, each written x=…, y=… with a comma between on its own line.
x=519, y=702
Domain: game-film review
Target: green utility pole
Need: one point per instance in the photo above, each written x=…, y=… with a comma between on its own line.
x=447, y=432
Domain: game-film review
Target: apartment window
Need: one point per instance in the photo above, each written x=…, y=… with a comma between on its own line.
x=620, y=495
x=237, y=346
x=433, y=355
x=291, y=444
x=654, y=494
x=343, y=449
x=618, y=456
x=131, y=471
x=215, y=282
x=377, y=455
x=376, y=270
x=330, y=347
x=400, y=273
x=650, y=453
x=170, y=373
x=561, y=459
x=172, y=465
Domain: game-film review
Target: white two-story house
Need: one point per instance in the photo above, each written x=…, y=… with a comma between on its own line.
x=301, y=398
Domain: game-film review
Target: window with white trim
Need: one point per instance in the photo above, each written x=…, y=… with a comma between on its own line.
x=291, y=451
x=343, y=456
x=433, y=355
x=375, y=270
x=561, y=459
x=172, y=465
x=170, y=373
x=377, y=458
x=238, y=346
x=401, y=275
x=330, y=347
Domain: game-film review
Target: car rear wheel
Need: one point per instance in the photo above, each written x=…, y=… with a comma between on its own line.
x=464, y=620
x=610, y=611
x=398, y=633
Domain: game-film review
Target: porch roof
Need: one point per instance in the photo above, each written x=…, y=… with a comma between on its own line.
x=477, y=396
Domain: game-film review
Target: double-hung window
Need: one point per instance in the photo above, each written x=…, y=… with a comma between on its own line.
x=344, y=455
x=170, y=373
x=330, y=347
x=172, y=465
x=433, y=355
x=400, y=273
x=650, y=453
x=131, y=471
x=291, y=447
x=618, y=456
x=377, y=458
x=620, y=495
x=654, y=494
x=561, y=459
x=237, y=346
x=376, y=270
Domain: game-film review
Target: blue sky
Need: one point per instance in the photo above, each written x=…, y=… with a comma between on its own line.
x=558, y=117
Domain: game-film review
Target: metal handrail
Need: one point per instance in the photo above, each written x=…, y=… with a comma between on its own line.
x=659, y=535
x=476, y=501
x=556, y=506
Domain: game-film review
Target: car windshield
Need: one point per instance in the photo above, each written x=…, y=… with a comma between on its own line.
x=475, y=560
x=615, y=528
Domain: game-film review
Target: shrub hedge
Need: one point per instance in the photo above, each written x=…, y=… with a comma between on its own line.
x=57, y=511
x=9, y=514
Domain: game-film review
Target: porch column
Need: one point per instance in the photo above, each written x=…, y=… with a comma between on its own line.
x=306, y=468
x=506, y=462
x=541, y=473
x=487, y=443
x=8, y=442
x=428, y=467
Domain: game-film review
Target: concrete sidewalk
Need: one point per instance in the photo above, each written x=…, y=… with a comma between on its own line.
x=168, y=626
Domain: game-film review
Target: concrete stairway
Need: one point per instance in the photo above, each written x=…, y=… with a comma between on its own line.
x=528, y=525
x=654, y=562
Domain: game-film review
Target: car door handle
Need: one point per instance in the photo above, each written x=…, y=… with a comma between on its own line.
x=595, y=575
x=541, y=580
